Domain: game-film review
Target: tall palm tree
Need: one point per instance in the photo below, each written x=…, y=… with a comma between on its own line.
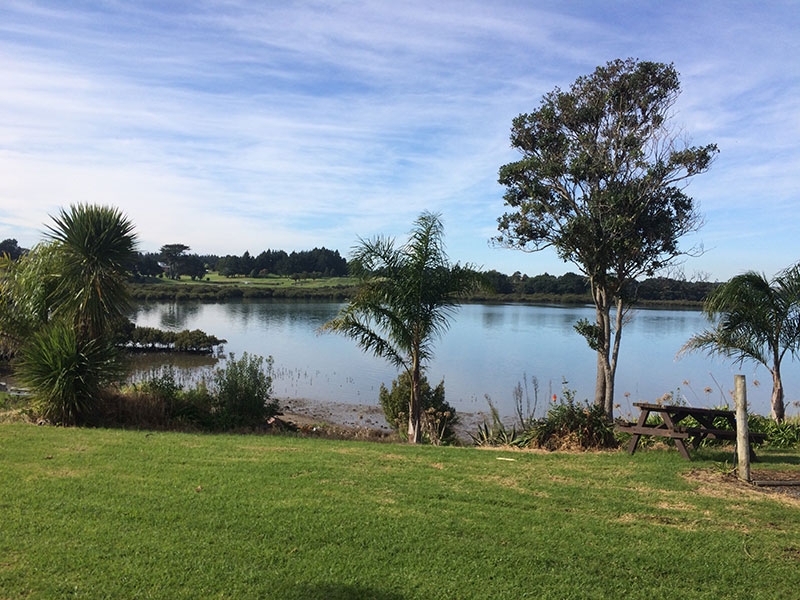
x=405, y=300
x=759, y=320
x=98, y=247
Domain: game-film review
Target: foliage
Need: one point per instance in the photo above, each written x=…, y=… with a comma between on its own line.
x=26, y=289
x=97, y=247
x=600, y=181
x=785, y=434
x=11, y=249
x=758, y=320
x=497, y=433
x=438, y=416
x=567, y=425
x=152, y=338
x=66, y=372
x=242, y=390
x=405, y=300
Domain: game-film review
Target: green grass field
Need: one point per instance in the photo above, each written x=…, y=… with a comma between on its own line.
x=128, y=514
x=271, y=281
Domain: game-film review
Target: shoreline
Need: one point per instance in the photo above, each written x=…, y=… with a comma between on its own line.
x=305, y=412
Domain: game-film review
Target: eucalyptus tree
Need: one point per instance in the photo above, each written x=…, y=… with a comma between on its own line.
x=601, y=181
x=405, y=299
x=757, y=319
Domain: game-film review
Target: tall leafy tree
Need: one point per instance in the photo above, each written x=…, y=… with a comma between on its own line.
x=601, y=182
x=172, y=255
x=97, y=246
x=757, y=319
x=406, y=297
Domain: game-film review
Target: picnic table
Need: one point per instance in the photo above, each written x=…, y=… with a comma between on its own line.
x=706, y=426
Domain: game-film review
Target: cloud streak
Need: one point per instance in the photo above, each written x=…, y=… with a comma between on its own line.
x=235, y=125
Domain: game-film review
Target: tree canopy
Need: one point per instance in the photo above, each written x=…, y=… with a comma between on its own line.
x=601, y=182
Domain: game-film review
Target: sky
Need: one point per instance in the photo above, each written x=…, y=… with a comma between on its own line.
x=235, y=125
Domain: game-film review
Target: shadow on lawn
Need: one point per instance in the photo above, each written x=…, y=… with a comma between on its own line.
x=338, y=591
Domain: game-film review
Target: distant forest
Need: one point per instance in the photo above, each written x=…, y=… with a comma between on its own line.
x=321, y=262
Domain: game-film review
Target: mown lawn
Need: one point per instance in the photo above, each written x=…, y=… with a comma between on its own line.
x=125, y=514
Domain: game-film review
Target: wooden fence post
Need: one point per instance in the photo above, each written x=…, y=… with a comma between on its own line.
x=742, y=428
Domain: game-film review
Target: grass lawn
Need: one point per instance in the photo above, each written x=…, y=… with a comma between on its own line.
x=125, y=514
x=272, y=281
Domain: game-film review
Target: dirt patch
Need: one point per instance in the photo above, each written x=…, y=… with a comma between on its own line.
x=360, y=421
x=727, y=485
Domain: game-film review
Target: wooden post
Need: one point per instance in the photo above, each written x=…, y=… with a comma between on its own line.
x=742, y=428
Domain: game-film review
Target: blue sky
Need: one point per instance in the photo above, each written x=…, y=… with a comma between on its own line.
x=234, y=125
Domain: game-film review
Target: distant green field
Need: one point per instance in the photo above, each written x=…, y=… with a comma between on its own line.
x=269, y=281
x=215, y=287
x=131, y=514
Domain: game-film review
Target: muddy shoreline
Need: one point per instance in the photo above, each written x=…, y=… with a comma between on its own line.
x=304, y=412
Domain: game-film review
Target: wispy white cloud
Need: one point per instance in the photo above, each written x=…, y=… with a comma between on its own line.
x=233, y=125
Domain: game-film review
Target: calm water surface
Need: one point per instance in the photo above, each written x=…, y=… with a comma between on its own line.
x=488, y=350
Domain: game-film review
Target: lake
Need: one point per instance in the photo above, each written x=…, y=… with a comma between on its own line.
x=488, y=350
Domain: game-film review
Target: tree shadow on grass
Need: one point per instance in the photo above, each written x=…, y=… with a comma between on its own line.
x=339, y=591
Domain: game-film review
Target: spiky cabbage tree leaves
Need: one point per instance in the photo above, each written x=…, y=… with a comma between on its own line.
x=67, y=299
x=601, y=182
x=98, y=251
x=757, y=320
x=67, y=372
x=406, y=297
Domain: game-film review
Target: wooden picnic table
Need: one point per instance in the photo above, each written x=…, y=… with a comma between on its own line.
x=671, y=427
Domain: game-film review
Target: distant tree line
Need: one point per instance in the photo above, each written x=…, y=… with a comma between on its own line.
x=654, y=289
x=174, y=261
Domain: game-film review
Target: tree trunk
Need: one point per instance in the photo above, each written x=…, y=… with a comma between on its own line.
x=414, y=406
x=604, y=382
x=777, y=394
x=611, y=367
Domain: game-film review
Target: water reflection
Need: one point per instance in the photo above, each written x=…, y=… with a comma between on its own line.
x=487, y=352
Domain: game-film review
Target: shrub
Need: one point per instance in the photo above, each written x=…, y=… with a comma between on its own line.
x=241, y=391
x=66, y=374
x=571, y=424
x=438, y=417
x=567, y=425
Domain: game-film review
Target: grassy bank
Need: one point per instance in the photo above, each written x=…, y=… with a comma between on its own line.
x=123, y=514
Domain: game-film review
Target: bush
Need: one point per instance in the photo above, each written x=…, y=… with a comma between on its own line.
x=241, y=391
x=574, y=425
x=438, y=417
x=66, y=374
x=567, y=425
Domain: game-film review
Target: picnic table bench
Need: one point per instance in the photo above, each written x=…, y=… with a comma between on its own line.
x=670, y=426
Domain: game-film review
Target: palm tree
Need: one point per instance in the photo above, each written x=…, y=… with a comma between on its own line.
x=405, y=299
x=76, y=287
x=759, y=320
x=98, y=246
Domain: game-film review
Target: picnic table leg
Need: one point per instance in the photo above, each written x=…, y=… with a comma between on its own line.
x=634, y=443
x=681, y=445
x=679, y=442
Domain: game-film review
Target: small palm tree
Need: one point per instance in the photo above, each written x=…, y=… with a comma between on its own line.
x=759, y=320
x=71, y=296
x=98, y=247
x=405, y=300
